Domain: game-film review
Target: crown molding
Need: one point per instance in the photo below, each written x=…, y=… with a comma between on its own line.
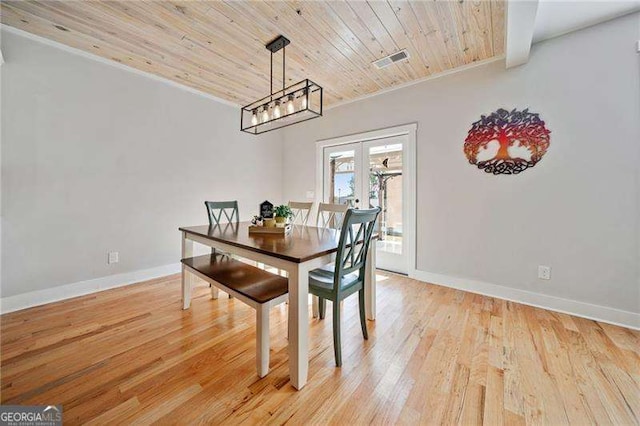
x=115, y=64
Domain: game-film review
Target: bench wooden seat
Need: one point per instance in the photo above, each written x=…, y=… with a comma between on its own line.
x=256, y=287
x=256, y=284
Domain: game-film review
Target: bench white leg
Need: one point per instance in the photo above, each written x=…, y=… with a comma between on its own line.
x=262, y=339
x=315, y=306
x=187, y=277
x=214, y=292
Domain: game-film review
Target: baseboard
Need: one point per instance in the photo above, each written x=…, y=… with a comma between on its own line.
x=552, y=303
x=68, y=291
x=558, y=304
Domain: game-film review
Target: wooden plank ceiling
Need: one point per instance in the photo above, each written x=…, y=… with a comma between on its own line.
x=217, y=47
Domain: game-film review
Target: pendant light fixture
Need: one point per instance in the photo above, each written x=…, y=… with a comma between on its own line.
x=299, y=102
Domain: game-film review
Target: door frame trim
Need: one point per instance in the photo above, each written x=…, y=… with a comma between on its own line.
x=410, y=130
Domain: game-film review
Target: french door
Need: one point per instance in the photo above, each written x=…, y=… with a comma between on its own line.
x=371, y=174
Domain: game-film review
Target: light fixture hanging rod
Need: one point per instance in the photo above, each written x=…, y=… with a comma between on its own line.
x=271, y=77
x=274, y=46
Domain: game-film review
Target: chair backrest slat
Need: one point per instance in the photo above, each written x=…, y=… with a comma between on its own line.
x=355, y=237
x=331, y=215
x=215, y=210
x=301, y=212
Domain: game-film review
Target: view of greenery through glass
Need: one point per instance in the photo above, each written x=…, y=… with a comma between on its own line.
x=385, y=189
x=342, y=177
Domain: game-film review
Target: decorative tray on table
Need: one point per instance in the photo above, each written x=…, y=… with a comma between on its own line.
x=277, y=230
x=266, y=222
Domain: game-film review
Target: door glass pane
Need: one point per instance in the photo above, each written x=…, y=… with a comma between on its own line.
x=342, y=177
x=385, y=185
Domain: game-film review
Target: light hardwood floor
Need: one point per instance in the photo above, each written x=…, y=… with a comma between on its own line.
x=434, y=356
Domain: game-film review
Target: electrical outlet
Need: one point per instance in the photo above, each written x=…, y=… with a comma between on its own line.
x=544, y=272
x=113, y=257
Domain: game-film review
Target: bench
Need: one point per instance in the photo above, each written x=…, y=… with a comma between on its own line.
x=256, y=287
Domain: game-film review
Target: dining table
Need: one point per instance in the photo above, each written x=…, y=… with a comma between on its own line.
x=298, y=252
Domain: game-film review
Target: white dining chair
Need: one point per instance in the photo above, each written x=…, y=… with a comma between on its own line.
x=301, y=212
x=331, y=215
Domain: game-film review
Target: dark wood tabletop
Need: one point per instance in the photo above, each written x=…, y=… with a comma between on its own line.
x=303, y=243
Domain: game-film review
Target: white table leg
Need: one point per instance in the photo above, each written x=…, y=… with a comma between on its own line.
x=370, y=282
x=187, y=277
x=298, y=325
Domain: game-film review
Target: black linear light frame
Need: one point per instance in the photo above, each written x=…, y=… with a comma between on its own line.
x=306, y=87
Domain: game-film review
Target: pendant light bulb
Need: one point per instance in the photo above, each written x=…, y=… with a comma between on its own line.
x=303, y=102
x=276, y=111
x=291, y=108
x=254, y=118
x=265, y=114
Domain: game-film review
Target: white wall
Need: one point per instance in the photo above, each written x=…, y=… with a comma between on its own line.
x=577, y=210
x=96, y=158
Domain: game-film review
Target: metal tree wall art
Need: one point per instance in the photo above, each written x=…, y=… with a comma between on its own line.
x=506, y=142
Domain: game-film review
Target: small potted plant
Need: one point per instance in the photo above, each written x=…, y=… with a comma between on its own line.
x=282, y=213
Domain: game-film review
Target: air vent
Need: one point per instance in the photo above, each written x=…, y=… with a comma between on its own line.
x=394, y=57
